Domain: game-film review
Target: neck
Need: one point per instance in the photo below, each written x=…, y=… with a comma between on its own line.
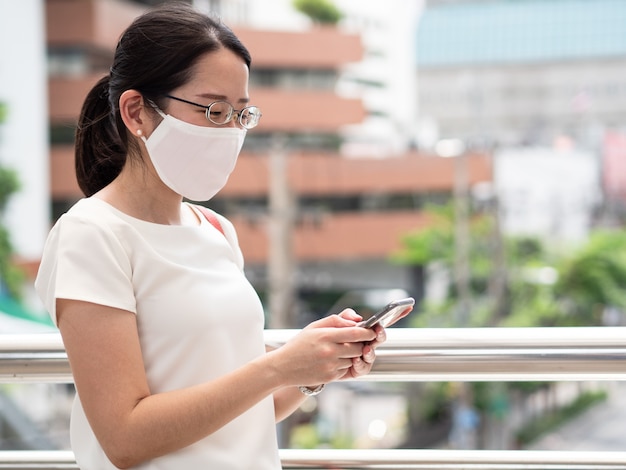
x=138, y=192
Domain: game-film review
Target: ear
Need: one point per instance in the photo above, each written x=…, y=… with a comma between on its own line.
x=132, y=112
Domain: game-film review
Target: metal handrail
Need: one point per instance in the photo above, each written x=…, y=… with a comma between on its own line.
x=37, y=460
x=379, y=459
x=595, y=353
x=449, y=459
x=470, y=354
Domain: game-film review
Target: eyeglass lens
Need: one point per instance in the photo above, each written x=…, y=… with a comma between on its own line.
x=221, y=112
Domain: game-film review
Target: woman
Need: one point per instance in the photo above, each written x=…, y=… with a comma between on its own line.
x=163, y=332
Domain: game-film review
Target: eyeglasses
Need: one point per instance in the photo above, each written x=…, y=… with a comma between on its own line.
x=222, y=112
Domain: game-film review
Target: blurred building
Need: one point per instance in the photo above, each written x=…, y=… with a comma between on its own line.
x=533, y=74
x=523, y=72
x=349, y=214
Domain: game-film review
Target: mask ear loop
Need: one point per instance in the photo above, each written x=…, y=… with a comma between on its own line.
x=158, y=110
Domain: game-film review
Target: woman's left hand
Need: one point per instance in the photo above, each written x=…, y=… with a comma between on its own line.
x=363, y=365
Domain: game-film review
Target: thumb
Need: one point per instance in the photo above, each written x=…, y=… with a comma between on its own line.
x=349, y=314
x=332, y=321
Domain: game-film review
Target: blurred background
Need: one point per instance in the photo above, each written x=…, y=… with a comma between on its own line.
x=469, y=153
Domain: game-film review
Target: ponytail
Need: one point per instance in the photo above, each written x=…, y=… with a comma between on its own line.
x=100, y=154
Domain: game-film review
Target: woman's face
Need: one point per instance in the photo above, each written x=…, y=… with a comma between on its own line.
x=218, y=76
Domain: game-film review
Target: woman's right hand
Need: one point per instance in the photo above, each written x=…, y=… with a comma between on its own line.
x=322, y=352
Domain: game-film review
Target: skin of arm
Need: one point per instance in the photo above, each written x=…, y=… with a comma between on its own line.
x=133, y=425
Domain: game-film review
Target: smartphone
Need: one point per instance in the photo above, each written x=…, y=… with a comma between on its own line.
x=391, y=313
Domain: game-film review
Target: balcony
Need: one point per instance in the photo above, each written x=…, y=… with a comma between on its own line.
x=305, y=110
x=333, y=237
x=66, y=96
x=318, y=48
x=323, y=236
x=88, y=22
x=326, y=174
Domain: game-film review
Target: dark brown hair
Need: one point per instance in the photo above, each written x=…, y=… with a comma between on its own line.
x=154, y=56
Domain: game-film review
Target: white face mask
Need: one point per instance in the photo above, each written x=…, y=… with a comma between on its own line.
x=194, y=161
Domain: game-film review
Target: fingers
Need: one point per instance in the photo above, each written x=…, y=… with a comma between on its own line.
x=349, y=314
x=358, y=368
x=347, y=334
x=333, y=321
x=351, y=350
x=333, y=348
x=368, y=354
x=361, y=367
x=381, y=336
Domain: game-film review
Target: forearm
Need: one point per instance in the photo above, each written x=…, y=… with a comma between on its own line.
x=286, y=402
x=165, y=422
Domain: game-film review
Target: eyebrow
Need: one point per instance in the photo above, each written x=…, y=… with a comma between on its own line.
x=212, y=96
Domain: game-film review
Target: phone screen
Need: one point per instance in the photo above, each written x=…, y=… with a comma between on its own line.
x=390, y=314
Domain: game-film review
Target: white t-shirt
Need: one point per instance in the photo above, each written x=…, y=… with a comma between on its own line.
x=198, y=318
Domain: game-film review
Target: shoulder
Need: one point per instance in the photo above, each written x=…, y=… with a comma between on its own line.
x=92, y=210
x=89, y=223
x=92, y=214
x=83, y=257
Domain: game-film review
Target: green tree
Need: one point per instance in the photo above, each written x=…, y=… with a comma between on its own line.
x=544, y=287
x=319, y=11
x=11, y=278
x=593, y=278
x=435, y=245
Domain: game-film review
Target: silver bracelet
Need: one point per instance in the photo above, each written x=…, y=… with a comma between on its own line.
x=310, y=392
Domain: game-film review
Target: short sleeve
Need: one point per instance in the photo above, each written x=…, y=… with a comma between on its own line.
x=85, y=261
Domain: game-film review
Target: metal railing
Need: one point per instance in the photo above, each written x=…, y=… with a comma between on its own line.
x=476, y=354
x=379, y=459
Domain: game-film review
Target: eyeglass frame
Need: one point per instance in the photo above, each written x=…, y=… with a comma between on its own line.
x=233, y=113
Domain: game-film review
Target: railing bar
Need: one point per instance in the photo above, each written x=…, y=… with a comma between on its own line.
x=388, y=458
x=489, y=338
x=474, y=355
x=376, y=459
x=413, y=338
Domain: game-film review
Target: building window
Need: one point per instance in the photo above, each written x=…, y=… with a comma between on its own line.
x=62, y=133
x=294, y=79
x=77, y=61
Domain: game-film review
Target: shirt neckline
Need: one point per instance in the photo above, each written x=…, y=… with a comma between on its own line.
x=147, y=223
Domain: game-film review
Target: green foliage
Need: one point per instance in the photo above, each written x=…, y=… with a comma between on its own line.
x=433, y=243
x=435, y=246
x=433, y=401
x=590, y=279
x=550, y=421
x=544, y=287
x=9, y=184
x=304, y=436
x=594, y=277
x=580, y=284
x=319, y=11
x=10, y=277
